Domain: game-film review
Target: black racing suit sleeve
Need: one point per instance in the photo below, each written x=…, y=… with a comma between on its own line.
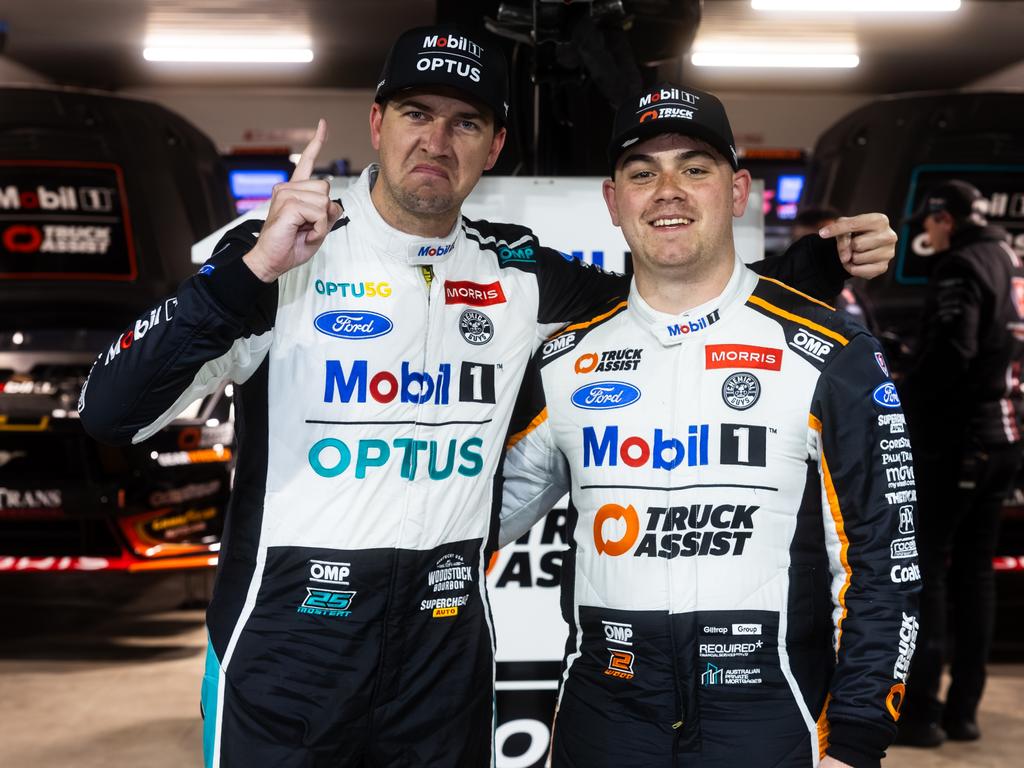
x=949, y=339
x=571, y=289
x=146, y=369
x=868, y=500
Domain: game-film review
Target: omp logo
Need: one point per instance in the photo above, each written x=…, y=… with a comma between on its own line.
x=742, y=356
x=329, y=572
x=885, y=395
x=326, y=602
x=352, y=325
x=620, y=664
x=435, y=250
x=558, y=345
x=473, y=294
x=609, y=538
x=516, y=254
x=604, y=395
x=807, y=343
x=667, y=94
x=617, y=632
x=330, y=457
x=634, y=451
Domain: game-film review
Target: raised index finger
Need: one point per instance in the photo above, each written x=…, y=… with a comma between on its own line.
x=304, y=168
x=864, y=222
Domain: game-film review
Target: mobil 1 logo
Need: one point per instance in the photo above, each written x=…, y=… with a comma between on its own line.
x=745, y=444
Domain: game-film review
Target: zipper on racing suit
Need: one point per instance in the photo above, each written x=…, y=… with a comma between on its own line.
x=427, y=270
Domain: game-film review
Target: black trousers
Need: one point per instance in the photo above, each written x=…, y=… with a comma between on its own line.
x=958, y=531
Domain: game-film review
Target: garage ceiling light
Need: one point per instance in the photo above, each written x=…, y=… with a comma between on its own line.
x=857, y=6
x=775, y=60
x=227, y=49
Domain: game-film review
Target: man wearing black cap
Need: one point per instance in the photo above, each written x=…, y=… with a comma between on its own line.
x=377, y=344
x=964, y=404
x=740, y=582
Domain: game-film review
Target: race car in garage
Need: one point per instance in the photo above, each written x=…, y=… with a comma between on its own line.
x=100, y=200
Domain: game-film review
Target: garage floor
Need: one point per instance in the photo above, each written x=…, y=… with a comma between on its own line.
x=88, y=689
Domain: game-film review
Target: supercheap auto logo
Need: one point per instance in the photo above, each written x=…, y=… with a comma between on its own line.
x=694, y=530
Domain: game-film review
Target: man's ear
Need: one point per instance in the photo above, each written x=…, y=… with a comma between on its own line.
x=608, y=190
x=496, y=144
x=740, y=191
x=376, y=118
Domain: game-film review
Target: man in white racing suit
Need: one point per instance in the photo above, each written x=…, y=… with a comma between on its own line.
x=376, y=344
x=742, y=575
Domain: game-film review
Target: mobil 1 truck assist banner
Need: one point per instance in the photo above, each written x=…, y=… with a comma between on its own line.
x=64, y=220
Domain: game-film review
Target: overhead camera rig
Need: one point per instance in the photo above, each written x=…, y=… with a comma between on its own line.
x=572, y=62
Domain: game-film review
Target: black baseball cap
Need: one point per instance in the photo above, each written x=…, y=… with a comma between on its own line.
x=668, y=108
x=447, y=55
x=962, y=201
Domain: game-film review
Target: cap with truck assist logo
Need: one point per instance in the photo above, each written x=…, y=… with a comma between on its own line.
x=451, y=57
x=962, y=201
x=669, y=108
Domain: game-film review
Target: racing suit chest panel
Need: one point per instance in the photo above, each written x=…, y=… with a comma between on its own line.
x=672, y=488
x=396, y=394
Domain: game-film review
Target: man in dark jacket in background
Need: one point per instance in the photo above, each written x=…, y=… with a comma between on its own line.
x=963, y=402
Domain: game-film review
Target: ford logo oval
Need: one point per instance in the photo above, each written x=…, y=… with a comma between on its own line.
x=603, y=395
x=353, y=325
x=886, y=395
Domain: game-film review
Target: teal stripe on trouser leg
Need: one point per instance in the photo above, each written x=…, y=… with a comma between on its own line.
x=210, y=693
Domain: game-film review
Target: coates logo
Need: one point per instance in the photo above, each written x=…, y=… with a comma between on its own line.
x=615, y=529
x=342, y=324
x=473, y=294
x=742, y=356
x=886, y=395
x=605, y=395
x=435, y=250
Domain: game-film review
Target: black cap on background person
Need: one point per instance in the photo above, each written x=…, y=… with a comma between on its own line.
x=667, y=108
x=962, y=201
x=448, y=56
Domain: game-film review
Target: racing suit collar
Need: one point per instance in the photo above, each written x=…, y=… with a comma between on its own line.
x=675, y=329
x=393, y=243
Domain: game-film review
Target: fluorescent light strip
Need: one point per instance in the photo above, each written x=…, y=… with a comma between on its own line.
x=249, y=49
x=767, y=59
x=231, y=55
x=857, y=6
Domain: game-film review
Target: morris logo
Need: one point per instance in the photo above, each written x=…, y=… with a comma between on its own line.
x=352, y=325
x=605, y=395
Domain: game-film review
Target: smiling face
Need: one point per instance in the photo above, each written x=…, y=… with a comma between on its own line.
x=674, y=198
x=433, y=147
